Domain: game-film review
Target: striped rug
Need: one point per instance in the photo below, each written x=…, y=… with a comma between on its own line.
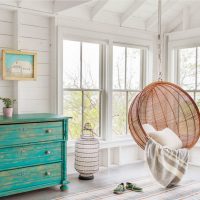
x=187, y=190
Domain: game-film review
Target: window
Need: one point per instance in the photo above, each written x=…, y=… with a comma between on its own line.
x=189, y=71
x=82, y=85
x=127, y=82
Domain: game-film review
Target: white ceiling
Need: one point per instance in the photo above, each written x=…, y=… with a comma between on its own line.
x=138, y=14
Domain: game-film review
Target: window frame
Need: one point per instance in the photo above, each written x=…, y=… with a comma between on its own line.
x=177, y=60
x=82, y=89
x=107, y=40
x=143, y=51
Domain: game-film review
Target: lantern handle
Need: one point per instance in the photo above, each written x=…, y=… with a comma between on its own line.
x=88, y=127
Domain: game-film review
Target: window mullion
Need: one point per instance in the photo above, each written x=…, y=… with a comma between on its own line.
x=82, y=113
x=123, y=90
x=80, y=89
x=195, y=89
x=81, y=86
x=101, y=86
x=125, y=85
x=196, y=70
x=125, y=74
x=81, y=64
x=126, y=112
x=142, y=66
x=178, y=67
x=100, y=112
x=100, y=67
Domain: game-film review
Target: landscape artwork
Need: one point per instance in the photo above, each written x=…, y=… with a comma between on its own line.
x=19, y=65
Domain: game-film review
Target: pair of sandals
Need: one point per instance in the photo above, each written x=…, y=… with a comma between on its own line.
x=121, y=188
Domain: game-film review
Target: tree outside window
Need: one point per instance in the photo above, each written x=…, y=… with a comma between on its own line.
x=82, y=85
x=127, y=82
x=189, y=71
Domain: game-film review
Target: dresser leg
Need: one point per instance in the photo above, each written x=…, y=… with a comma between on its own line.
x=64, y=187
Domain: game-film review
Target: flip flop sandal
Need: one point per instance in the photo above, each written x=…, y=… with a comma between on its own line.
x=133, y=187
x=119, y=189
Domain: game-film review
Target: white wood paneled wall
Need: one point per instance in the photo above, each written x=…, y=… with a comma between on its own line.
x=28, y=32
x=34, y=34
x=6, y=42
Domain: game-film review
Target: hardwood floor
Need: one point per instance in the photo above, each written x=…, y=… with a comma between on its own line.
x=104, y=177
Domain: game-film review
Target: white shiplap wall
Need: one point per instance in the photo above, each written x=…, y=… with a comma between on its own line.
x=6, y=42
x=25, y=31
x=33, y=35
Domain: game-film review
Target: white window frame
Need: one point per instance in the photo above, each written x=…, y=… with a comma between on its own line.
x=179, y=40
x=143, y=67
x=107, y=39
x=195, y=90
x=82, y=89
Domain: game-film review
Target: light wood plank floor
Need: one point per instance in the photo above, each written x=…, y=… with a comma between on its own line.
x=104, y=177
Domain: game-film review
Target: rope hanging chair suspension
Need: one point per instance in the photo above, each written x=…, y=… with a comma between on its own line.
x=163, y=104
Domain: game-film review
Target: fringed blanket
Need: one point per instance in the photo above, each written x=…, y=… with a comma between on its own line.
x=167, y=166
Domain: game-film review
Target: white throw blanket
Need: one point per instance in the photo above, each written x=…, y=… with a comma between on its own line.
x=167, y=166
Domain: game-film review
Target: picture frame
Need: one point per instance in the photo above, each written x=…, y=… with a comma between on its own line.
x=19, y=65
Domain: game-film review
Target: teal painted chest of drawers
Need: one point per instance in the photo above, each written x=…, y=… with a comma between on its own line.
x=32, y=152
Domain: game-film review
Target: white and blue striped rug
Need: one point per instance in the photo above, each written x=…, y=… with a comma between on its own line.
x=187, y=190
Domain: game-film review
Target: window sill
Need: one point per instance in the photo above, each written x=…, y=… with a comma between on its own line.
x=117, y=142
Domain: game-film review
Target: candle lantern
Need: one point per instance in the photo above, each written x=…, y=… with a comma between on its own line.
x=87, y=154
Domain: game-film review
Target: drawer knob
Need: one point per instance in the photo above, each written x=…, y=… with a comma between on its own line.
x=47, y=173
x=48, y=131
x=23, y=150
x=47, y=152
x=21, y=174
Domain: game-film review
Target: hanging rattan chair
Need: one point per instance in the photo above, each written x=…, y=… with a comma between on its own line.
x=163, y=104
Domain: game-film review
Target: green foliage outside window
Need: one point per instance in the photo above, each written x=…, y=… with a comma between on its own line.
x=81, y=95
x=189, y=72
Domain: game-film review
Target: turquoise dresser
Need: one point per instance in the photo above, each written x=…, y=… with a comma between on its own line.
x=32, y=152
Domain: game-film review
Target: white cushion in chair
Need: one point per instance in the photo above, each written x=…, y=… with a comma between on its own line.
x=168, y=138
x=148, y=128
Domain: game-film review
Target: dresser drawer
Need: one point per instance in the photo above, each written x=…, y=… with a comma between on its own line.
x=30, y=176
x=27, y=155
x=32, y=132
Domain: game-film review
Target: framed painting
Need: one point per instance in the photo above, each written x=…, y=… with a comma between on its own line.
x=19, y=65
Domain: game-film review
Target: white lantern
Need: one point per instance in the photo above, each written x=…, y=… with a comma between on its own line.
x=87, y=154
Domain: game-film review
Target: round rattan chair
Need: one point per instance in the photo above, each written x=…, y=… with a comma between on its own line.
x=163, y=104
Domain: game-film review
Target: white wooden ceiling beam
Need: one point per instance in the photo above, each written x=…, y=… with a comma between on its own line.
x=186, y=18
x=182, y=18
x=29, y=10
x=19, y=2
x=153, y=20
x=174, y=23
x=60, y=5
x=97, y=8
x=131, y=10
